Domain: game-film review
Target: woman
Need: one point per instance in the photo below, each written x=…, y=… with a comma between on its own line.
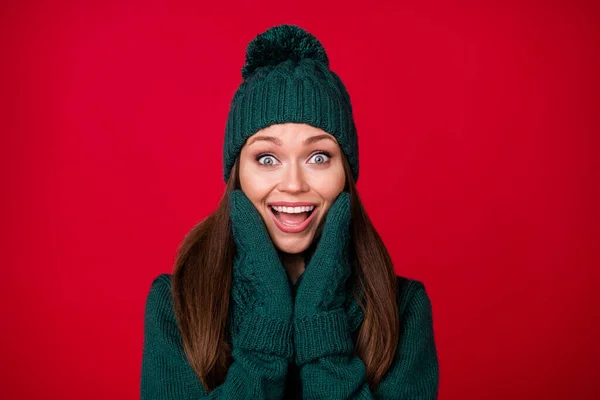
x=286, y=290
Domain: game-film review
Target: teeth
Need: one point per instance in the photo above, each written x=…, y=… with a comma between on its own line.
x=293, y=210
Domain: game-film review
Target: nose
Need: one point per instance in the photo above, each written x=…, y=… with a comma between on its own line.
x=292, y=180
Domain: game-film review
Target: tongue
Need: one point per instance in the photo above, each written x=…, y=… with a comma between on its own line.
x=292, y=219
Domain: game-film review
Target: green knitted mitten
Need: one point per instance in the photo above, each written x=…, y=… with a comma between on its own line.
x=321, y=325
x=263, y=306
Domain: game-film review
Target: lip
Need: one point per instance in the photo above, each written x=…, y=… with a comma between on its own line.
x=292, y=228
x=290, y=204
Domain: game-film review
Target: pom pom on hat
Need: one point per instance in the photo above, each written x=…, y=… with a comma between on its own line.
x=282, y=43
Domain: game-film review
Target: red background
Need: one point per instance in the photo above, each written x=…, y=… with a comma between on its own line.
x=479, y=150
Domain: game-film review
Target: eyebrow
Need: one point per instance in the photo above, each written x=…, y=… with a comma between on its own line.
x=277, y=141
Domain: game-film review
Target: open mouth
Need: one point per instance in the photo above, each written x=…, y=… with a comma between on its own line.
x=293, y=219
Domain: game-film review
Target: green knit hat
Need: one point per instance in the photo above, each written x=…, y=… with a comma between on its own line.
x=286, y=78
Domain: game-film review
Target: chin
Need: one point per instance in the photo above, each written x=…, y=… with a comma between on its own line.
x=293, y=245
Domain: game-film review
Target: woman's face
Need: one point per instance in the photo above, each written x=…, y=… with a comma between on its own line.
x=296, y=166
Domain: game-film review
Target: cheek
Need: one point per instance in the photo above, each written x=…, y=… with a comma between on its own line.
x=329, y=185
x=254, y=184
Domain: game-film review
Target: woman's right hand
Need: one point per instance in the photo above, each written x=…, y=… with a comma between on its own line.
x=257, y=265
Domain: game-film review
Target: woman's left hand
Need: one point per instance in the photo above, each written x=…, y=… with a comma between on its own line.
x=322, y=287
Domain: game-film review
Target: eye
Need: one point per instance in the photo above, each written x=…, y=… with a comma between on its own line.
x=266, y=159
x=321, y=158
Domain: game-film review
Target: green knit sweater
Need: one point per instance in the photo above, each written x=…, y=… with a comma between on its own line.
x=413, y=375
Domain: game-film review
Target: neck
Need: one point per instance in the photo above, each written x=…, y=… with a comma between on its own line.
x=294, y=265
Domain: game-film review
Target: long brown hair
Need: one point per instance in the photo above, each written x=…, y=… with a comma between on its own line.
x=202, y=283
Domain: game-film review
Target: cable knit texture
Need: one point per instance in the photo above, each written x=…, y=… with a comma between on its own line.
x=413, y=375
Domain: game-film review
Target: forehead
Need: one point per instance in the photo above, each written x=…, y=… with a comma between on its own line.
x=290, y=135
x=291, y=129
